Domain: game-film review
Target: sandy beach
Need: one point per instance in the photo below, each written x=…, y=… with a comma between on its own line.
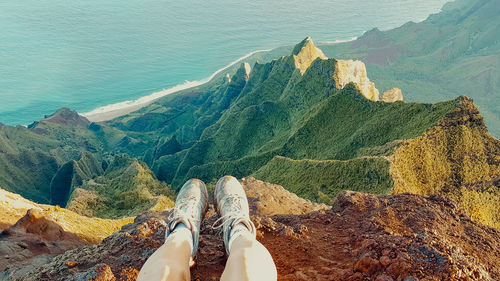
x=112, y=114
x=112, y=111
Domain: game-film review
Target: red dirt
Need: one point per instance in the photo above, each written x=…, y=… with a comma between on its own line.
x=362, y=237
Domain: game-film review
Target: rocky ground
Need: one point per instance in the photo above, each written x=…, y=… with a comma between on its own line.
x=33, y=239
x=361, y=237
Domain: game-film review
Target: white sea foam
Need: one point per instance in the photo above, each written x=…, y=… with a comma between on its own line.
x=145, y=100
x=156, y=95
x=339, y=41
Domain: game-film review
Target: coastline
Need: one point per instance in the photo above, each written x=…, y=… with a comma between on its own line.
x=111, y=111
x=339, y=41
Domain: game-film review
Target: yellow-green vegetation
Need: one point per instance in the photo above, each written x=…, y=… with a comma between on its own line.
x=127, y=188
x=482, y=206
x=456, y=158
x=93, y=230
x=321, y=180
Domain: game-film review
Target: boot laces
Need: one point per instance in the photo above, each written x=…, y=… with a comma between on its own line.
x=233, y=207
x=185, y=208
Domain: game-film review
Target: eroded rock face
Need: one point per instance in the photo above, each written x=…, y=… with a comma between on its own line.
x=305, y=53
x=392, y=95
x=248, y=70
x=347, y=71
x=14, y=207
x=363, y=237
x=34, y=235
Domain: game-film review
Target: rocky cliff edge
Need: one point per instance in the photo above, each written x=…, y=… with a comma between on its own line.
x=360, y=237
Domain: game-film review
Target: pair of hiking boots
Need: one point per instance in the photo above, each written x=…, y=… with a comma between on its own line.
x=191, y=206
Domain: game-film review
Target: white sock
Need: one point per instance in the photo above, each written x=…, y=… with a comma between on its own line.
x=181, y=233
x=239, y=230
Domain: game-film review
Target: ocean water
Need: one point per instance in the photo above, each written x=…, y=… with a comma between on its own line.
x=88, y=54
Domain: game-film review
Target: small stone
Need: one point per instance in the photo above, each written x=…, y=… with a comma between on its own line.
x=367, y=265
x=100, y=272
x=357, y=277
x=369, y=244
x=384, y=277
x=124, y=258
x=398, y=268
x=71, y=264
x=386, y=252
x=385, y=261
x=129, y=274
x=22, y=245
x=404, y=256
x=300, y=275
x=104, y=273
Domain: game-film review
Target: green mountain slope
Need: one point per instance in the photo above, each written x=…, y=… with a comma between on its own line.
x=321, y=180
x=32, y=156
x=281, y=112
x=313, y=124
x=454, y=52
x=71, y=175
x=127, y=188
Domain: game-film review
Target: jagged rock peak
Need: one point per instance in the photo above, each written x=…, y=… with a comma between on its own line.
x=305, y=53
x=243, y=73
x=248, y=70
x=347, y=71
x=392, y=95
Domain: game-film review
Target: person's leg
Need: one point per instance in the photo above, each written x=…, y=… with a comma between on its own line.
x=248, y=258
x=171, y=261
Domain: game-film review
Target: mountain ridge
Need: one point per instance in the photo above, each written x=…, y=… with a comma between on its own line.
x=240, y=126
x=455, y=51
x=306, y=134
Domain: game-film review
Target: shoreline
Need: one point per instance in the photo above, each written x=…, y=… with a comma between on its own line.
x=111, y=111
x=339, y=41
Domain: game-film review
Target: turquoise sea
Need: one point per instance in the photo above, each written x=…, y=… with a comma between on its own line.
x=92, y=53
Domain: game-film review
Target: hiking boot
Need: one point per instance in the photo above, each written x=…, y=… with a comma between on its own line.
x=190, y=207
x=231, y=204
